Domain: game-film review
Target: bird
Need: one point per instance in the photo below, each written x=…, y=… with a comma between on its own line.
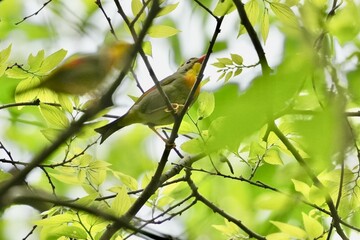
x=82, y=73
x=151, y=108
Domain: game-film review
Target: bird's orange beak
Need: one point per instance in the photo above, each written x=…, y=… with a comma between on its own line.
x=201, y=59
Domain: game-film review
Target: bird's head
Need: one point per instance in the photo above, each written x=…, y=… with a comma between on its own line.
x=193, y=65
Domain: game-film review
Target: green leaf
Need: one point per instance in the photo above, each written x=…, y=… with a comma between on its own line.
x=65, y=102
x=71, y=232
x=224, y=7
x=265, y=25
x=147, y=47
x=51, y=134
x=51, y=61
x=66, y=178
x=136, y=7
x=222, y=75
x=301, y=187
x=237, y=59
x=162, y=31
x=225, y=61
x=284, y=13
x=23, y=87
x=4, y=55
x=121, y=203
x=293, y=231
x=54, y=116
x=87, y=200
x=127, y=180
x=228, y=76
x=96, y=172
x=193, y=146
x=36, y=61
x=206, y=101
x=312, y=227
x=237, y=71
x=168, y=9
x=17, y=73
x=252, y=11
x=55, y=220
x=272, y=157
x=218, y=64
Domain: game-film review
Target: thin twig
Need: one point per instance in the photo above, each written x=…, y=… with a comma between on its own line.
x=35, y=13
x=108, y=19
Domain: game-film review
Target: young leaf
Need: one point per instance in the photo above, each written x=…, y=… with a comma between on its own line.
x=52, y=61
x=121, y=202
x=17, y=73
x=237, y=59
x=168, y=9
x=237, y=71
x=301, y=187
x=193, y=146
x=4, y=55
x=312, y=227
x=162, y=31
x=221, y=76
x=218, y=64
x=265, y=25
x=35, y=61
x=293, y=231
x=224, y=7
x=252, y=10
x=206, y=101
x=54, y=116
x=55, y=220
x=136, y=7
x=147, y=47
x=272, y=157
x=284, y=13
x=225, y=61
x=228, y=76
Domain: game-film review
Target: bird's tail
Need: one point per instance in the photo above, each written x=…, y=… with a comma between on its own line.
x=107, y=130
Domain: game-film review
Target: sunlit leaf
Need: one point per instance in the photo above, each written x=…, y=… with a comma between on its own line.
x=52, y=61
x=302, y=188
x=237, y=59
x=206, y=102
x=225, y=61
x=218, y=64
x=272, y=157
x=127, y=180
x=193, y=146
x=312, y=227
x=35, y=61
x=147, y=47
x=4, y=55
x=292, y=230
x=284, y=13
x=228, y=76
x=121, y=203
x=162, y=31
x=224, y=7
x=168, y=9
x=252, y=10
x=54, y=116
x=55, y=220
x=265, y=25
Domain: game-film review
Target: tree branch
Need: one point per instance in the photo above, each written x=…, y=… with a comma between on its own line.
x=253, y=36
